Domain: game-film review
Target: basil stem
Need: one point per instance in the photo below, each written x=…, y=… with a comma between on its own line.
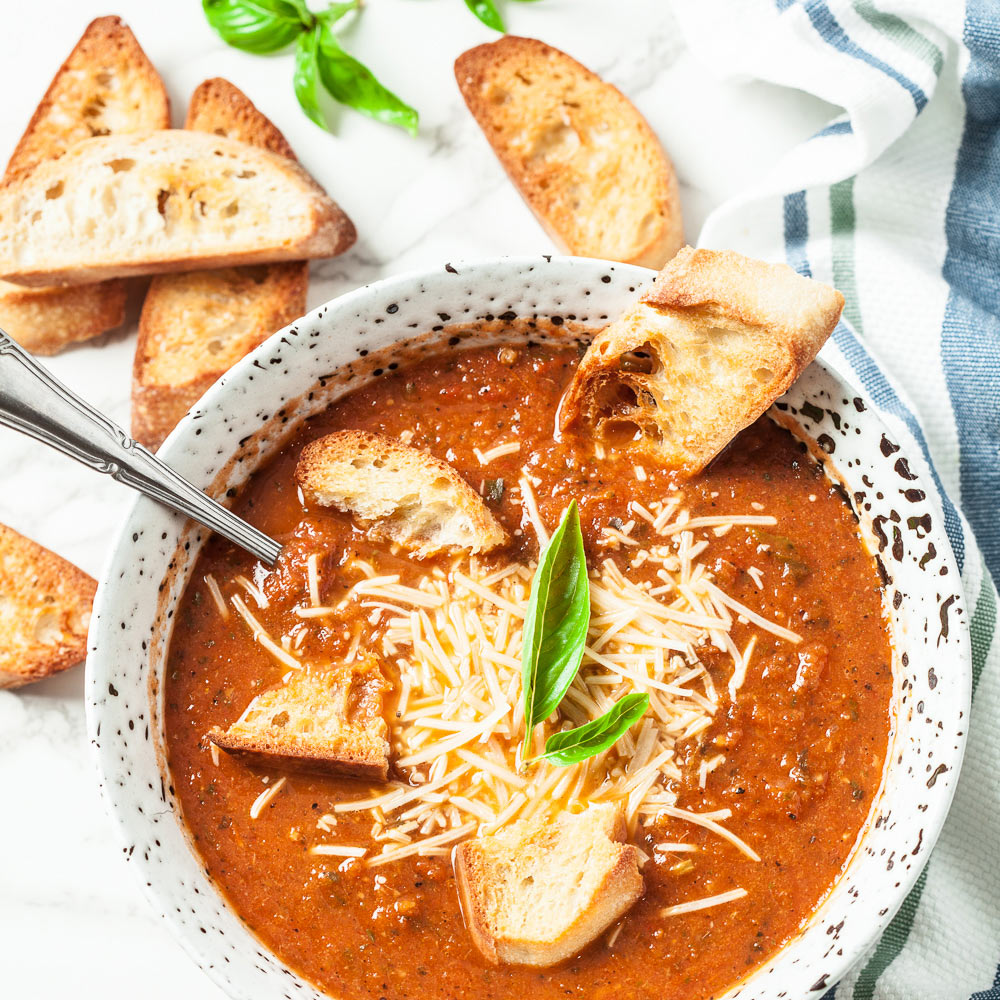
x=352, y=83
x=596, y=736
x=555, y=623
x=259, y=26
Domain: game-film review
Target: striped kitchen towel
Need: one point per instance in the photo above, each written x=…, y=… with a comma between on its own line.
x=897, y=203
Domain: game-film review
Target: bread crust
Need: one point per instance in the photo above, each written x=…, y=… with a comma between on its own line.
x=492, y=871
x=546, y=117
x=331, y=472
x=106, y=84
x=721, y=336
x=155, y=187
x=45, y=605
x=239, y=307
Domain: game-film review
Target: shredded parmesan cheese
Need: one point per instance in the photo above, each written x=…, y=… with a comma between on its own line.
x=260, y=803
x=703, y=904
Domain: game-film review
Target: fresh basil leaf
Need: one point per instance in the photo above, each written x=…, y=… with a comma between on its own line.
x=555, y=623
x=486, y=11
x=258, y=25
x=306, y=76
x=353, y=84
x=594, y=737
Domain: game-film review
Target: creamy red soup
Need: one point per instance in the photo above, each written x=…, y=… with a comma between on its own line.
x=785, y=759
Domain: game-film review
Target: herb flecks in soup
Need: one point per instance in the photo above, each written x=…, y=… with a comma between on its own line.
x=742, y=602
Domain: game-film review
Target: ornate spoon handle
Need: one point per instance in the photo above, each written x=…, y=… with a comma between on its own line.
x=35, y=403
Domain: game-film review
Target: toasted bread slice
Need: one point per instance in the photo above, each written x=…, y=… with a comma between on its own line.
x=328, y=722
x=701, y=355
x=106, y=85
x=400, y=494
x=194, y=327
x=45, y=605
x=537, y=892
x=168, y=200
x=582, y=156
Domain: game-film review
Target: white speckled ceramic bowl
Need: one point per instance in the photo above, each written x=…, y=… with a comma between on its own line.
x=246, y=416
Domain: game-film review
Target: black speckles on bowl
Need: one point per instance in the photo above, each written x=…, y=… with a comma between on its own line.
x=245, y=416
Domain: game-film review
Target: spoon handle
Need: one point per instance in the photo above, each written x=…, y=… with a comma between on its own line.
x=37, y=404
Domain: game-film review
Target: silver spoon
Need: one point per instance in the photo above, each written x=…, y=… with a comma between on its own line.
x=35, y=403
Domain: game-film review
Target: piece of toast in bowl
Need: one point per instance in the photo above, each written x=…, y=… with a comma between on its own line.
x=582, y=157
x=701, y=355
x=324, y=721
x=163, y=201
x=536, y=893
x=399, y=494
x=45, y=605
x=195, y=326
x=106, y=85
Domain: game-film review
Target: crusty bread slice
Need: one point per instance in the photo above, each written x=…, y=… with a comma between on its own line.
x=45, y=320
x=194, y=327
x=106, y=85
x=582, y=156
x=537, y=892
x=330, y=722
x=400, y=494
x=45, y=605
x=167, y=200
x=701, y=355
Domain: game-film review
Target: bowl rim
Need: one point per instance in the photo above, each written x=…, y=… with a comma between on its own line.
x=934, y=818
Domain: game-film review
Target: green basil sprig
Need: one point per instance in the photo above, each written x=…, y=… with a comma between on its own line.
x=594, y=737
x=555, y=634
x=555, y=623
x=487, y=12
x=263, y=26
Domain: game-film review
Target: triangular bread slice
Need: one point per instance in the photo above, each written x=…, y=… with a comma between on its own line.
x=167, y=200
x=701, y=355
x=538, y=891
x=400, y=494
x=581, y=155
x=45, y=605
x=329, y=721
x=106, y=85
x=194, y=327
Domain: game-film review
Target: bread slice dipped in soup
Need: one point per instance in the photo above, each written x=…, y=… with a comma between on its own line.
x=584, y=612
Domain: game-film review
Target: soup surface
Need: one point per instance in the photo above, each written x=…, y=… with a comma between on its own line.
x=789, y=762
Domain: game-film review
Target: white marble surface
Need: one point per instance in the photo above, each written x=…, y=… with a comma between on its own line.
x=71, y=920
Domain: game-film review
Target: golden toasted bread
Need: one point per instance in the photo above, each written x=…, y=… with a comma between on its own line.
x=582, y=156
x=701, y=355
x=45, y=605
x=163, y=201
x=194, y=327
x=537, y=892
x=400, y=494
x=330, y=721
x=106, y=85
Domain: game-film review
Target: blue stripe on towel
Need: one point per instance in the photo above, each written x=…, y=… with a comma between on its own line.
x=835, y=128
x=870, y=375
x=970, y=335
x=830, y=31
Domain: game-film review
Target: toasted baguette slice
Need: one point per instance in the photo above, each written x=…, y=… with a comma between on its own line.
x=328, y=722
x=168, y=200
x=701, y=355
x=582, y=156
x=536, y=893
x=45, y=605
x=194, y=327
x=45, y=320
x=106, y=85
x=400, y=494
